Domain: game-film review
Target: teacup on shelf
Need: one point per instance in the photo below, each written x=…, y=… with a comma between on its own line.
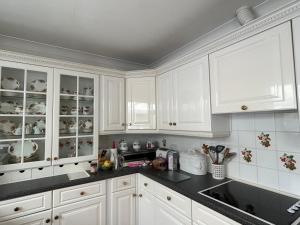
x=86, y=110
x=88, y=91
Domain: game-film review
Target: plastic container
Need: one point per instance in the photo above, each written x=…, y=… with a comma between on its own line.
x=218, y=171
x=193, y=162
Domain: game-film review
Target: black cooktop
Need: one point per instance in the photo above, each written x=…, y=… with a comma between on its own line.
x=269, y=206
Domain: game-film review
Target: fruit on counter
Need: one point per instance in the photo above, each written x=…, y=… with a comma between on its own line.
x=107, y=164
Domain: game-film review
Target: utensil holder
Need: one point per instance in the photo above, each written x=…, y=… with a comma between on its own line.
x=218, y=171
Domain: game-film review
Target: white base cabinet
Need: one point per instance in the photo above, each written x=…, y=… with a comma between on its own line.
x=41, y=218
x=146, y=208
x=91, y=212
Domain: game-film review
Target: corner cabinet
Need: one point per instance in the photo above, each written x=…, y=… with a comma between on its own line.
x=112, y=104
x=140, y=103
x=25, y=116
x=256, y=74
x=75, y=136
x=184, y=101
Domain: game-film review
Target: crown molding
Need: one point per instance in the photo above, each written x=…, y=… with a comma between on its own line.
x=60, y=64
x=256, y=26
x=141, y=73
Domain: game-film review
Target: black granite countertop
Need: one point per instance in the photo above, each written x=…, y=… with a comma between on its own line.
x=188, y=188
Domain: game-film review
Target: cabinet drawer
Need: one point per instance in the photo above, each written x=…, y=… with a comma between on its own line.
x=179, y=202
x=205, y=216
x=25, y=205
x=123, y=183
x=147, y=184
x=77, y=193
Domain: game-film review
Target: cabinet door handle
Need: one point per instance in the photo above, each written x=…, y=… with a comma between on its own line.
x=82, y=193
x=145, y=184
x=170, y=124
x=129, y=124
x=55, y=158
x=123, y=124
x=17, y=209
x=56, y=217
x=48, y=159
x=134, y=195
x=244, y=107
x=168, y=198
x=47, y=220
x=174, y=124
x=140, y=195
x=125, y=183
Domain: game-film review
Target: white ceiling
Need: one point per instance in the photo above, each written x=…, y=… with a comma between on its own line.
x=136, y=30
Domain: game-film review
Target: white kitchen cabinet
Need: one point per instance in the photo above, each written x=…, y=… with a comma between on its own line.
x=140, y=103
x=75, y=136
x=123, y=206
x=256, y=74
x=146, y=209
x=205, y=216
x=166, y=215
x=25, y=115
x=41, y=218
x=91, y=212
x=184, y=101
x=112, y=105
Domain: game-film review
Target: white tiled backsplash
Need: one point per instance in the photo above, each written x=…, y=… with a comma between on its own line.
x=265, y=167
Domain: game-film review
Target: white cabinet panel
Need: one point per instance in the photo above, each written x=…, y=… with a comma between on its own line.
x=41, y=218
x=123, y=206
x=146, y=208
x=112, y=110
x=165, y=101
x=140, y=98
x=192, y=97
x=256, y=74
x=91, y=212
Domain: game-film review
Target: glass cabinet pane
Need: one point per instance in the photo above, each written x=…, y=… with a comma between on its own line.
x=36, y=81
x=12, y=79
x=35, y=127
x=10, y=152
x=11, y=127
x=86, y=86
x=34, y=150
x=36, y=104
x=68, y=84
x=85, y=146
x=11, y=102
x=67, y=148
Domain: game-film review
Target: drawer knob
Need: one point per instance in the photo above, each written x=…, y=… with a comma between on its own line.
x=244, y=107
x=140, y=195
x=82, y=193
x=168, y=198
x=17, y=209
x=56, y=217
x=48, y=220
x=125, y=183
x=134, y=195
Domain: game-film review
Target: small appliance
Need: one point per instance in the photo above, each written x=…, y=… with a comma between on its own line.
x=193, y=162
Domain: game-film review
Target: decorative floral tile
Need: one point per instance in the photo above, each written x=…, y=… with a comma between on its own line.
x=288, y=161
x=265, y=139
x=247, y=155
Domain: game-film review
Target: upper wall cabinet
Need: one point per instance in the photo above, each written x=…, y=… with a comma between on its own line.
x=184, y=100
x=256, y=74
x=140, y=103
x=112, y=104
x=25, y=115
x=75, y=136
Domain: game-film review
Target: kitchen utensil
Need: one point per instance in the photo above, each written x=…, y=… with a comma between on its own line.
x=136, y=146
x=211, y=153
x=10, y=83
x=218, y=150
x=123, y=145
x=38, y=85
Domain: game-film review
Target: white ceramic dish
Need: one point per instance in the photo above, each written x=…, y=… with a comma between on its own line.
x=37, y=108
x=15, y=149
x=10, y=83
x=38, y=85
x=7, y=126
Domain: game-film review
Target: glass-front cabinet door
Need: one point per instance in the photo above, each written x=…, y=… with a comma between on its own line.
x=75, y=116
x=25, y=115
